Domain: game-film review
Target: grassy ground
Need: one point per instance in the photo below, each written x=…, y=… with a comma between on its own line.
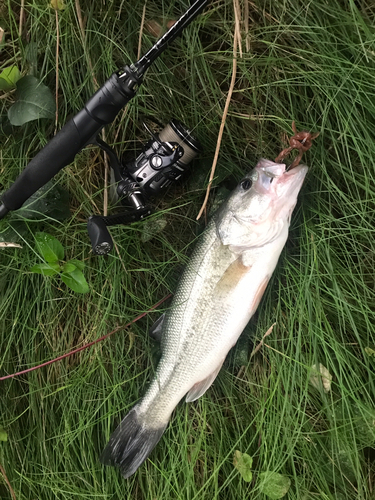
x=312, y=62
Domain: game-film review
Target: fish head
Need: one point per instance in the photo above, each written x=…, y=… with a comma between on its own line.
x=260, y=208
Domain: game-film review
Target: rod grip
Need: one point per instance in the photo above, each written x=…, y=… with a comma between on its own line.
x=58, y=153
x=100, y=110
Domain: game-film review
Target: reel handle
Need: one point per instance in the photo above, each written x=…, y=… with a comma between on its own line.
x=101, y=240
x=97, y=225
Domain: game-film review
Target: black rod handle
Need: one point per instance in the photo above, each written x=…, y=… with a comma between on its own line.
x=100, y=110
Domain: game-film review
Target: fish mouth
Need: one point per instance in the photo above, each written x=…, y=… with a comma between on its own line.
x=280, y=172
x=296, y=171
x=276, y=178
x=290, y=182
x=294, y=176
x=277, y=170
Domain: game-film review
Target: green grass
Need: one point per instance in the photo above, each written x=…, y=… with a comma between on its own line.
x=312, y=62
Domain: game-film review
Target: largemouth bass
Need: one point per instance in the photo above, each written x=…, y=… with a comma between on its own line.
x=217, y=295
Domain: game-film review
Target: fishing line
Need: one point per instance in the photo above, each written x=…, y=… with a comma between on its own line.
x=86, y=346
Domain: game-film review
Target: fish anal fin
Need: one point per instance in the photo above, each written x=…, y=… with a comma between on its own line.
x=201, y=387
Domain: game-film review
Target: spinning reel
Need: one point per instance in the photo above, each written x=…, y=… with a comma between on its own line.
x=162, y=161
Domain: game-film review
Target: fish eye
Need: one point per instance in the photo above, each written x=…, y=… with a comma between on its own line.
x=246, y=184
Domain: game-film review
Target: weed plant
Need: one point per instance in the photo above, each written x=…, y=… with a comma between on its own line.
x=312, y=62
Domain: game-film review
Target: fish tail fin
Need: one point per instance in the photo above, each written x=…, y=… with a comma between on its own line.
x=131, y=443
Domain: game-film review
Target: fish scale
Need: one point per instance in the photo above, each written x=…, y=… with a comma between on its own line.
x=217, y=294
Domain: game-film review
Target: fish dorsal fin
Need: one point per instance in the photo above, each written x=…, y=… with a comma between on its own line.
x=155, y=332
x=201, y=387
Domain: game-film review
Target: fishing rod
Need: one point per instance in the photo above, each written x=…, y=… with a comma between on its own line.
x=83, y=129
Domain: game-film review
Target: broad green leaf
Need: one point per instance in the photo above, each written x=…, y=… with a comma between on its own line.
x=46, y=269
x=243, y=463
x=51, y=199
x=274, y=485
x=68, y=267
x=12, y=231
x=34, y=100
x=3, y=435
x=9, y=77
x=57, y=4
x=77, y=263
x=49, y=247
x=76, y=281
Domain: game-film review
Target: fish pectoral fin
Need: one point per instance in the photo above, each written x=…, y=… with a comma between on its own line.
x=231, y=277
x=201, y=387
x=155, y=332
